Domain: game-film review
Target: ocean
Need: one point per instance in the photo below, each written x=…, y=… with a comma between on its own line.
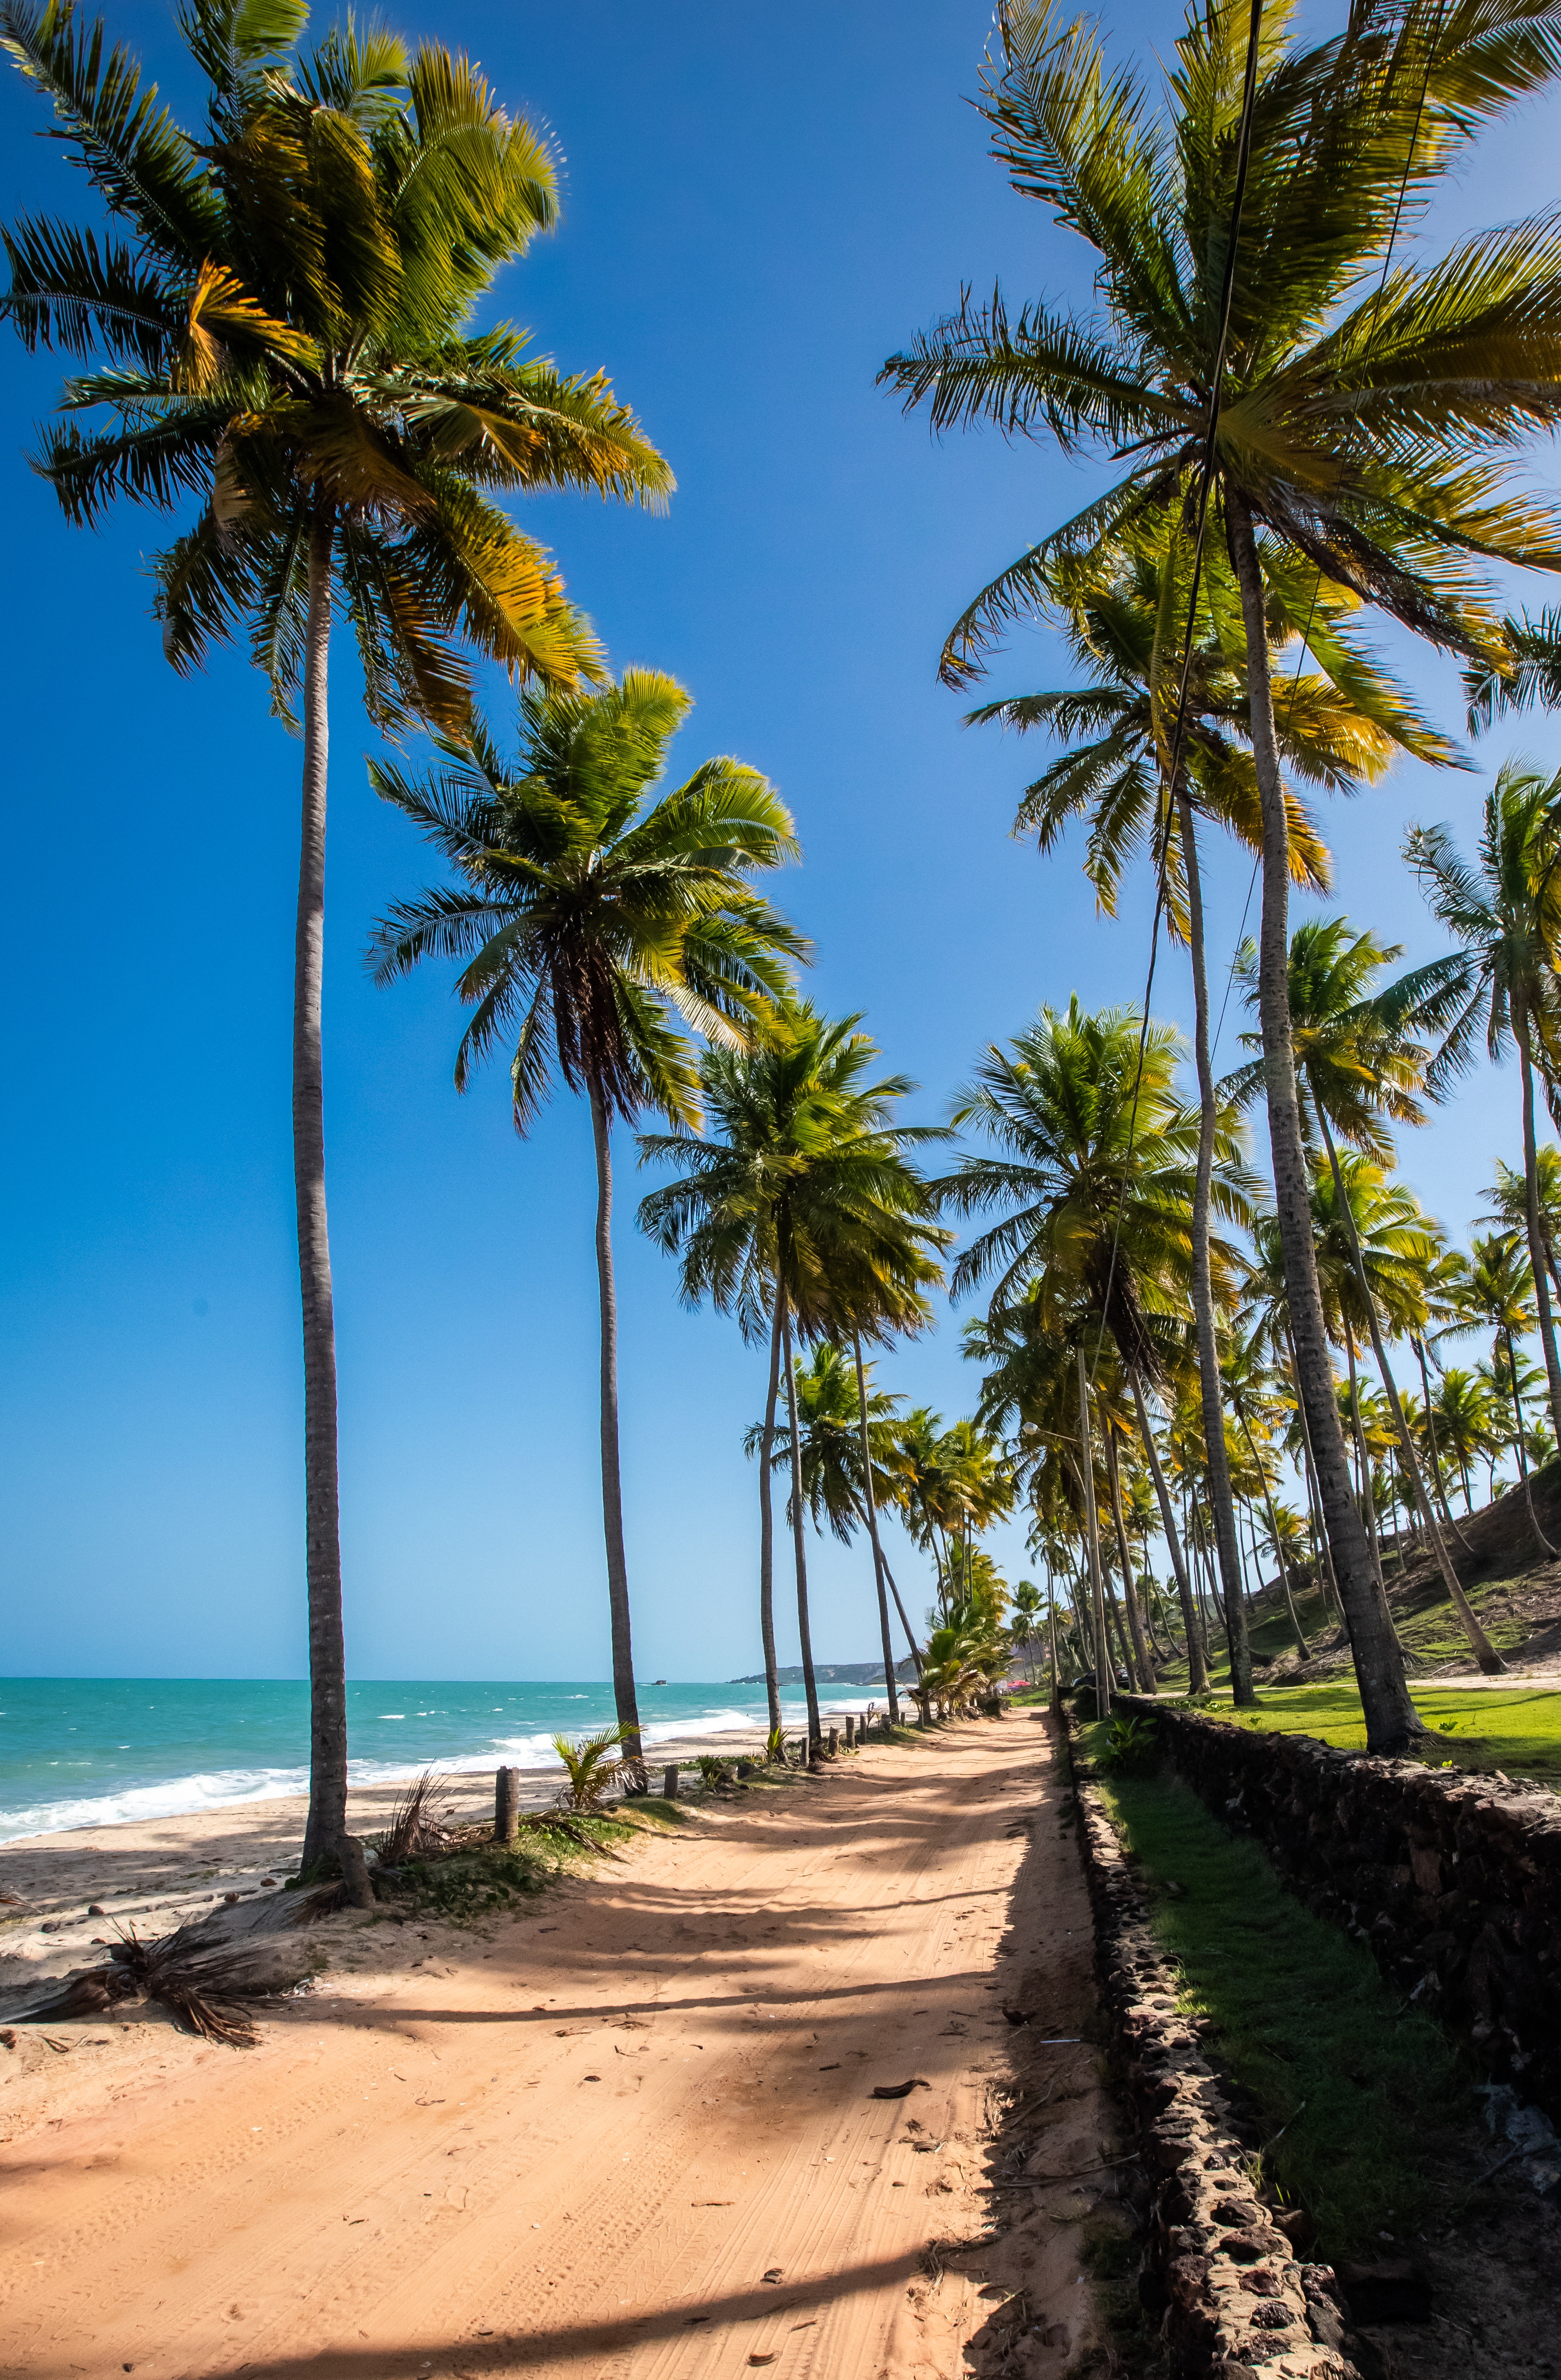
x=87, y=1752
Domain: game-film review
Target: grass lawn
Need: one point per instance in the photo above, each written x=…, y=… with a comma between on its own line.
x=1516, y=1728
x=1347, y=2082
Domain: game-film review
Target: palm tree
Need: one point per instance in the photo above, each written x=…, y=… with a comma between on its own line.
x=1504, y=913
x=1498, y=1295
x=802, y=1208
x=598, y=916
x=1336, y=731
x=1096, y=1165
x=1273, y=386
x=1360, y=1059
x=279, y=326
x=1508, y=1196
x=1028, y=1607
x=1248, y=1386
x=849, y=1451
x=1464, y=1423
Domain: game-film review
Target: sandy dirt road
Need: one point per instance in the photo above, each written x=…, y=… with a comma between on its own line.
x=629, y=2134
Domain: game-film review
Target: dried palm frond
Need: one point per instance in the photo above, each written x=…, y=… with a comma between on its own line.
x=414, y=1832
x=198, y=1972
x=198, y=1981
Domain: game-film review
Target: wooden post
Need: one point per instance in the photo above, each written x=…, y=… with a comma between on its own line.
x=669, y=1782
x=850, y=1735
x=833, y=1742
x=354, y=1873
x=507, y=1805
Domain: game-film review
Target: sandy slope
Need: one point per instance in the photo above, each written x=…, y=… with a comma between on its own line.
x=628, y=2135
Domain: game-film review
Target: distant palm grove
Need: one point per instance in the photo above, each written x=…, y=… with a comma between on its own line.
x=1197, y=1364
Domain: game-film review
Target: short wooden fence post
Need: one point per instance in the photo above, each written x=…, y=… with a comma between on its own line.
x=507, y=1805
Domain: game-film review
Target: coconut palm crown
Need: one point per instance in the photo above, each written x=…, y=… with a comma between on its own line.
x=1274, y=374
x=600, y=919
x=277, y=321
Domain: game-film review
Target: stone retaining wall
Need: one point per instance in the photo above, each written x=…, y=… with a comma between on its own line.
x=1235, y=2299
x=1453, y=1881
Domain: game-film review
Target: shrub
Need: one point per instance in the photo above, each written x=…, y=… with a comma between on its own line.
x=1132, y=1748
x=591, y=1772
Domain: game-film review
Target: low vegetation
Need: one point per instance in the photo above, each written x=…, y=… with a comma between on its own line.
x=470, y=1875
x=1345, y=2085
x=1501, y=1728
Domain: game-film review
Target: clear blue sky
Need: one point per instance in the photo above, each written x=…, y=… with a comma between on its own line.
x=757, y=208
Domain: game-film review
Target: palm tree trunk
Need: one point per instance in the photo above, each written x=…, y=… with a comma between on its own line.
x=1314, y=1507
x=1362, y=1459
x=905, y=1620
x=1301, y=1644
x=326, y=1823
x=612, y=1483
x=1210, y=1585
x=1390, y=1716
x=1123, y=1653
x=1419, y=1346
x=1224, y=1513
x=809, y=1683
x=872, y=1501
x=1197, y=1669
x=1141, y=1663
x=1522, y=1454
x=1092, y=1542
x=1531, y=1203
x=1484, y=1652
x=767, y=1531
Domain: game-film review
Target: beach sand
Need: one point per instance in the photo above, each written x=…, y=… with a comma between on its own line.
x=627, y=2133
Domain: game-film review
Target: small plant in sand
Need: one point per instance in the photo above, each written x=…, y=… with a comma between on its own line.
x=713, y=1771
x=592, y=1770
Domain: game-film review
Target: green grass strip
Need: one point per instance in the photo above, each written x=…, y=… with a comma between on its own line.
x=1515, y=1729
x=1347, y=2082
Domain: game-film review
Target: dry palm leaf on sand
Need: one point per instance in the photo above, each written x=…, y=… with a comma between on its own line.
x=200, y=1973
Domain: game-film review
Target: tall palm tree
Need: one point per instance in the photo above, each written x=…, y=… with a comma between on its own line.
x=1504, y=913
x=1028, y=1607
x=1508, y=1202
x=1248, y=1396
x=1360, y=1055
x=1338, y=731
x=801, y=1209
x=277, y=322
x=1497, y=1294
x=599, y=918
x=1465, y=1425
x=849, y=1445
x=1275, y=385
x=1096, y=1166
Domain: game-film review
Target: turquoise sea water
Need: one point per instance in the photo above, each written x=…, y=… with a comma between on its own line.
x=85, y=1751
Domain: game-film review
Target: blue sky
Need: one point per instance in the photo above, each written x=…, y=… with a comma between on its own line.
x=756, y=209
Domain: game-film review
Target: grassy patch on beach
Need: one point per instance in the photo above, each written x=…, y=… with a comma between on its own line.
x=1515, y=1729
x=476, y=1879
x=1346, y=2081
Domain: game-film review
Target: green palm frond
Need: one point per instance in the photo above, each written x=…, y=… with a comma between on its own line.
x=146, y=168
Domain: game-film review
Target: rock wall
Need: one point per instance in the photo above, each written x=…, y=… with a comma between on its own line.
x=1234, y=2298
x=1453, y=1881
